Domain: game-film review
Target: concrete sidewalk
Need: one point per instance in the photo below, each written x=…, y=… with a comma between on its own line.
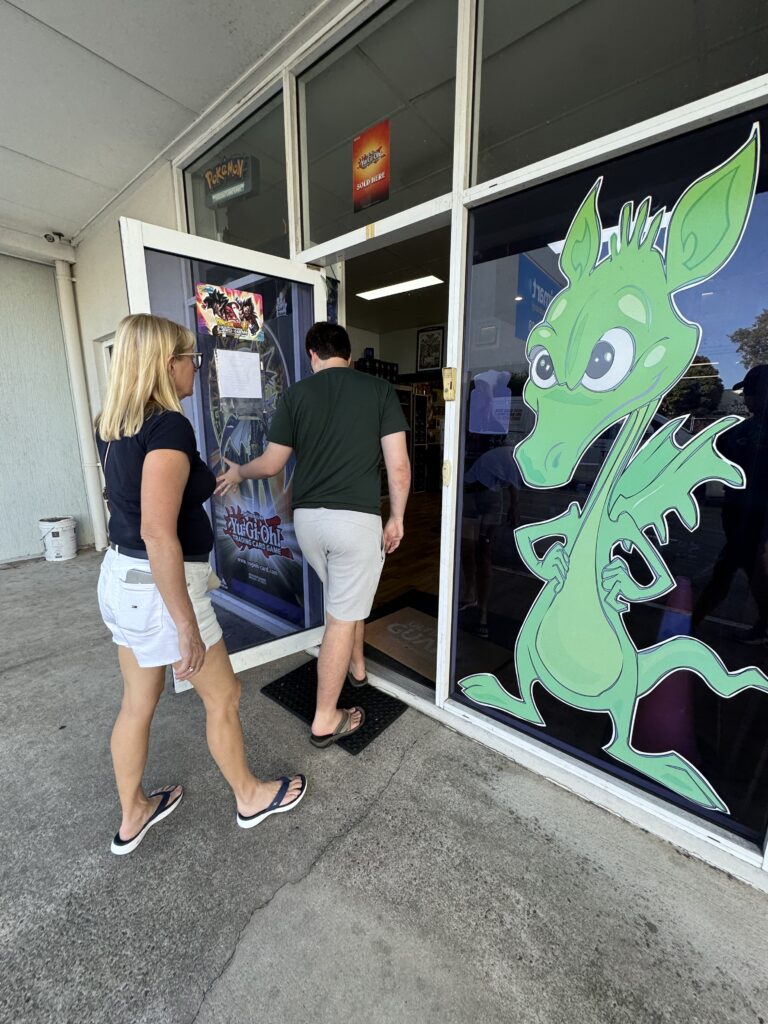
x=426, y=880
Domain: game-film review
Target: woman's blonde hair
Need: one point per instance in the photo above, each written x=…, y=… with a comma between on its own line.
x=140, y=381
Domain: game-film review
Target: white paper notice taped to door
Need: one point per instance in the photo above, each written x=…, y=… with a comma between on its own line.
x=239, y=373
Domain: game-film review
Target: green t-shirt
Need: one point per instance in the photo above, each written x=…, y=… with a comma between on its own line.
x=334, y=421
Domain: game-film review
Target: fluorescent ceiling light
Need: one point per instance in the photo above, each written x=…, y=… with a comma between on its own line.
x=404, y=286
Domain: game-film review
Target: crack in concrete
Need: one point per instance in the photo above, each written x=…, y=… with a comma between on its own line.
x=297, y=881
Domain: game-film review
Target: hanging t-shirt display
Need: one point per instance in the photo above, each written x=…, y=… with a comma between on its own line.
x=490, y=403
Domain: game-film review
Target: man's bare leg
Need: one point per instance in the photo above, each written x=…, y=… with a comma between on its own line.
x=357, y=661
x=332, y=667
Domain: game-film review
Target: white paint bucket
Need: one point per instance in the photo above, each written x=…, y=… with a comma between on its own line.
x=58, y=536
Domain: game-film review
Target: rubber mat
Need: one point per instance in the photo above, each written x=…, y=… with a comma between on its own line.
x=296, y=692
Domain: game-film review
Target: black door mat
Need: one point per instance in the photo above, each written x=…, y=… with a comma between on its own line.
x=297, y=690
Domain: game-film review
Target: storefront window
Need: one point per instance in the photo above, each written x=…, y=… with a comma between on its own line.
x=377, y=119
x=237, y=191
x=613, y=559
x=558, y=73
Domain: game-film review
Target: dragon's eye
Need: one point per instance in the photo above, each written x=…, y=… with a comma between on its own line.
x=610, y=360
x=542, y=370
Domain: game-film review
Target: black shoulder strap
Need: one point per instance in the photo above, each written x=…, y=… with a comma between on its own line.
x=104, y=467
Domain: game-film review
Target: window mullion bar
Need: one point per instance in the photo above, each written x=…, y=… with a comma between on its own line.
x=465, y=64
x=292, y=169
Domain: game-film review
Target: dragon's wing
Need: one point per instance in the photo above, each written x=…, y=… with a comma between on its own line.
x=662, y=476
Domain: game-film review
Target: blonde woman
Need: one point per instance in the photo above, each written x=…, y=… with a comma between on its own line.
x=153, y=587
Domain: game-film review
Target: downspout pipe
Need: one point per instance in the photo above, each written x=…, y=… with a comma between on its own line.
x=83, y=420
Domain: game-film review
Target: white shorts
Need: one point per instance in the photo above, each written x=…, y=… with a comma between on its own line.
x=346, y=550
x=136, y=614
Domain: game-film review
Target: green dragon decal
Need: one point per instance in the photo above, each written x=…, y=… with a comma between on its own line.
x=611, y=345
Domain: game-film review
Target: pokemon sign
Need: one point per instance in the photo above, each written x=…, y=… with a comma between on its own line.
x=230, y=178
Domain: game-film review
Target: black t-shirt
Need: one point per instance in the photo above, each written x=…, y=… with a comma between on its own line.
x=122, y=473
x=334, y=421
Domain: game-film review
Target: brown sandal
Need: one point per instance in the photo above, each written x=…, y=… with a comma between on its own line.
x=342, y=729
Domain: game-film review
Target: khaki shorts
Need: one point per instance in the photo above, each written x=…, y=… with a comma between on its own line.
x=136, y=614
x=346, y=550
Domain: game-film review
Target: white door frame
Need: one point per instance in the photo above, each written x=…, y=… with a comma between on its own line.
x=136, y=237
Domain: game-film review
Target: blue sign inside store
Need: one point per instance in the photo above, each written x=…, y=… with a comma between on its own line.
x=537, y=290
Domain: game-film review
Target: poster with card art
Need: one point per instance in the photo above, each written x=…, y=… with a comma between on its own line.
x=429, y=348
x=370, y=166
x=229, y=313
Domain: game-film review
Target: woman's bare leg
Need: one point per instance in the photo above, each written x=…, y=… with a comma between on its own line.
x=219, y=689
x=142, y=688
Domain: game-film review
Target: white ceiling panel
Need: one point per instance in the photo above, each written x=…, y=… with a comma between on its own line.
x=416, y=50
x=262, y=135
x=49, y=191
x=31, y=220
x=189, y=50
x=95, y=90
x=77, y=111
x=500, y=31
x=336, y=113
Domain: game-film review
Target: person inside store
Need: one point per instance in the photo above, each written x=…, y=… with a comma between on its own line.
x=338, y=422
x=745, y=512
x=155, y=581
x=491, y=487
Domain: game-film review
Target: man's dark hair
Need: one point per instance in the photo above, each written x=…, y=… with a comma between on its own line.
x=328, y=341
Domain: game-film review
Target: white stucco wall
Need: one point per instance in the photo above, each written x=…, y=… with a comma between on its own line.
x=40, y=465
x=100, y=281
x=400, y=347
x=361, y=340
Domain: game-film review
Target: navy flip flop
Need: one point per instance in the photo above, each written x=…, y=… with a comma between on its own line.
x=249, y=820
x=164, y=808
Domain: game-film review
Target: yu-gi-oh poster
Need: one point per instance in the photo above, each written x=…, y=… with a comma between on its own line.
x=235, y=320
x=257, y=555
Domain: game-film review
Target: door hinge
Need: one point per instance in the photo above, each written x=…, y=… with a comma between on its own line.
x=449, y=383
x=446, y=473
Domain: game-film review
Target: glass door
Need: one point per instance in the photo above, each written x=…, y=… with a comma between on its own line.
x=250, y=313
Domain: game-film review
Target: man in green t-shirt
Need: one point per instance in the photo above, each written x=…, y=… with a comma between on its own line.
x=338, y=422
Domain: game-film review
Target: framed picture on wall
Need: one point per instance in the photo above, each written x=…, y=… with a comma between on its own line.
x=429, y=348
